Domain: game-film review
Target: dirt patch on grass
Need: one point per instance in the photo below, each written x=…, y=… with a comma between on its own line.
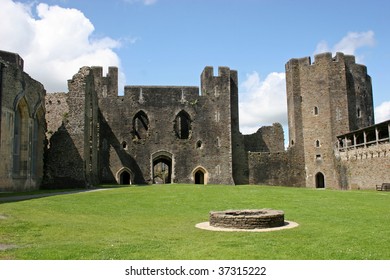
x=4, y=247
x=3, y=217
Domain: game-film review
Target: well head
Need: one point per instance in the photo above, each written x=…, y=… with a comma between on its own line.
x=247, y=219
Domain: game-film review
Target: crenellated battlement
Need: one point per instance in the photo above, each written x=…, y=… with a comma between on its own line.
x=324, y=59
x=161, y=95
x=217, y=85
x=104, y=85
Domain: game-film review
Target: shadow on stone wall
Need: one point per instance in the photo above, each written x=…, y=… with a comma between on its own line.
x=126, y=160
x=64, y=167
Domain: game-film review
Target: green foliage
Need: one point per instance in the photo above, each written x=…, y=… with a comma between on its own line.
x=158, y=222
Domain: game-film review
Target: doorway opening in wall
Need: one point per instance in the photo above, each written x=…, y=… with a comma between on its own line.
x=199, y=177
x=320, y=180
x=162, y=170
x=125, y=178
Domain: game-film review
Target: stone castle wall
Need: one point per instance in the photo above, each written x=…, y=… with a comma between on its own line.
x=72, y=156
x=206, y=146
x=364, y=168
x=22, y=126
x=184, y=134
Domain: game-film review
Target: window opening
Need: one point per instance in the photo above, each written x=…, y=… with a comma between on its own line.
x=21, y=139
x=34, y=147
x=315, y=110
x=182, y=125
x=17, y=140
x=140, y=125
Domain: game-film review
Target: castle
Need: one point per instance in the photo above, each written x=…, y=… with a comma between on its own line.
x=180, y=134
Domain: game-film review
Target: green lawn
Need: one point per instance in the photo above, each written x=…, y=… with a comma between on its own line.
x=158, y=222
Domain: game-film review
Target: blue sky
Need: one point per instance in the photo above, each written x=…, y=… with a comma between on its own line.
x=169, y=42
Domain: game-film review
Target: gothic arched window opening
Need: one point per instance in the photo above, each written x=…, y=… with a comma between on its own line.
x=182, y=125
x=140, y=125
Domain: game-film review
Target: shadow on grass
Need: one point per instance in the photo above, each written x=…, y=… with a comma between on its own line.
x=13, y=197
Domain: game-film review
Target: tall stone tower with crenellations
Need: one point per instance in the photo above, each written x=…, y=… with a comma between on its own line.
x=326, y=98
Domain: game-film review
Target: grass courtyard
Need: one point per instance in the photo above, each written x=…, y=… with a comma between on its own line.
x=158, y=222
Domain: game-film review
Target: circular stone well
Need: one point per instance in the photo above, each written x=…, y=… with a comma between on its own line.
x=247, y=219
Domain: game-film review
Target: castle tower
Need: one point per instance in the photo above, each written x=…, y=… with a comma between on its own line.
x=221, y=93
x=326, y=98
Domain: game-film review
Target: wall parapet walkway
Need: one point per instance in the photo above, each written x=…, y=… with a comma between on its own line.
x=373, y=135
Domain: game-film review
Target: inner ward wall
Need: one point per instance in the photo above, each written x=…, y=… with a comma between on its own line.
x=365, y=168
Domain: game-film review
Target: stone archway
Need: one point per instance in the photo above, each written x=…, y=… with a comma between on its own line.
x=125, y=176
x=162, y=168
x=200, y=176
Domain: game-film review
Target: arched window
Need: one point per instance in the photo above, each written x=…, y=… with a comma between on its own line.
x=316, y=110
x=318, y=143
x=21, y=139
x=182, y=125
x=140, y=125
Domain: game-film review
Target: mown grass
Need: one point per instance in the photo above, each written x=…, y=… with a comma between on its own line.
x=158, y=222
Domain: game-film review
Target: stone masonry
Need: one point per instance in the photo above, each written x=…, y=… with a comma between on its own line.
x=22, y=126
x=189, y=134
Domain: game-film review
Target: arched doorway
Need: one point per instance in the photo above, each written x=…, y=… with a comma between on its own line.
x=162, y=168
x=320, y=180
x=200, y=176
x=124, y=176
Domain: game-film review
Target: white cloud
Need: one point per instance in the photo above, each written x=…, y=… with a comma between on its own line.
x=382, y=112
x=349, y=44
x=263, y=102
x=55, y=43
